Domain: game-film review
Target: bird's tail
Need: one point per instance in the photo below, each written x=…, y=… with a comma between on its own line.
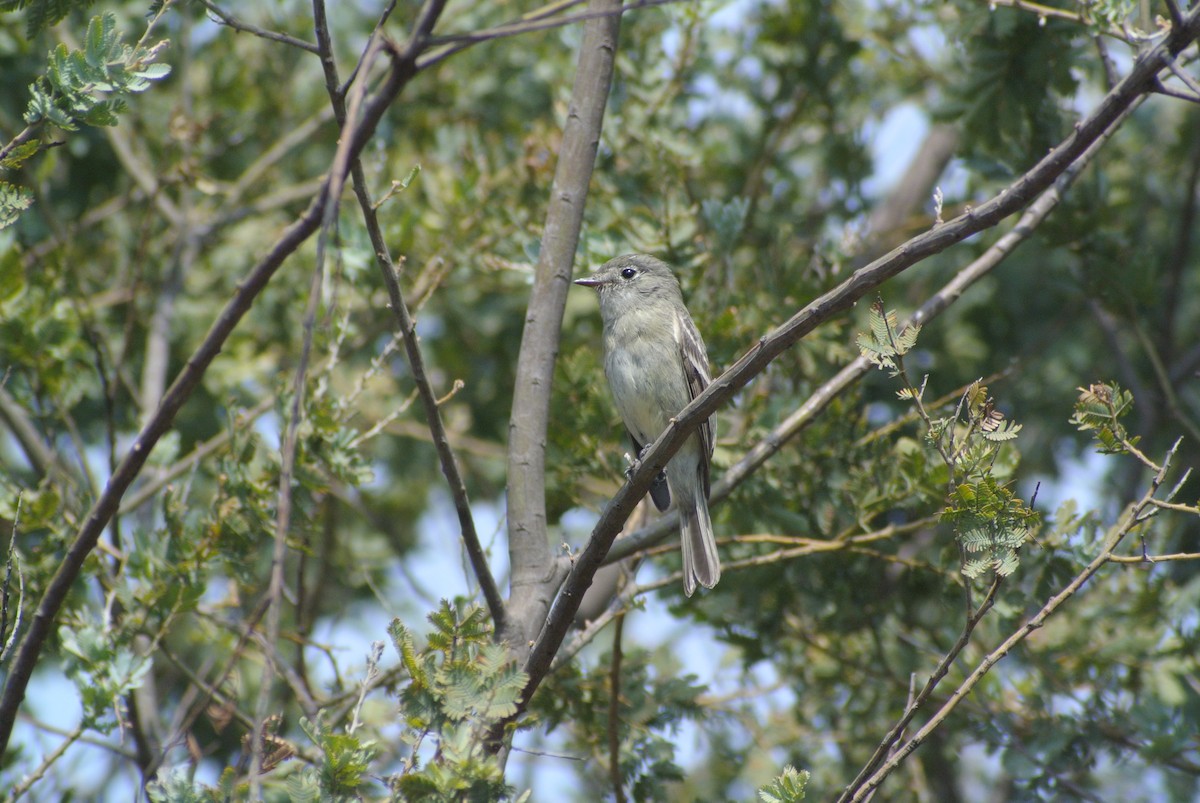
x=701, y=564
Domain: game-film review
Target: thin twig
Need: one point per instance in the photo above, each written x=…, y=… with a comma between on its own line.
x=614, y=710
x=225, y=18
x=24, y=786
x=1149, y=560
x=845, y=542
x=8, y=635
x=888, y=746
x=41, y=457
x=287, y=460
x=1044, y=12
x=407, y=327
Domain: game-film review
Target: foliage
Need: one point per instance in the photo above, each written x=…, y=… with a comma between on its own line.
x=13, y=201
x=882, y=532
x=41, y=14
x=70, y=93
x=459, y=687
x=83, y=87
x=787, y=788
x=343, y=769
x=988, y=519
x=650, y=711
x=1099, y=410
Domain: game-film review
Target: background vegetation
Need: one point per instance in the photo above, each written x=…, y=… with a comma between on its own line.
x=285, y=332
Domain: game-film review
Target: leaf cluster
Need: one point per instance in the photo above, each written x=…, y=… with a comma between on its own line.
x=1099, y=410
x=459, y=686
x=989, y=520
x=788, y=787
x=84, y=87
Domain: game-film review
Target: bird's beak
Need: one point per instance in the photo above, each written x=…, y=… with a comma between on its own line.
x=588, y=281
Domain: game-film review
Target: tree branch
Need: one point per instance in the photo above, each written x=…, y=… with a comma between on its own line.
x=887, y=747
x=540, y=20
x=533, y=565
x=407, y=326
x=225, y=18
x=41, y=457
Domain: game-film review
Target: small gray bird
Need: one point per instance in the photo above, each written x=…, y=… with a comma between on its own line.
x=656, y=364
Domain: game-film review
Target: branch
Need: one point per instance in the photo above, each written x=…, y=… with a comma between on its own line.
x=41, y=457
x=1044, y=11
x=225, y=18
x=287, y=464
x=403, y=69
x=801, y=547
x=540, y=20
x=614, y=714
x=1149, y=560
x=1038, y=179
x=887, y=747
x=529, y=547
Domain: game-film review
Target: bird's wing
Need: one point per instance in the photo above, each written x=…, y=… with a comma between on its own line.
x=694, y=358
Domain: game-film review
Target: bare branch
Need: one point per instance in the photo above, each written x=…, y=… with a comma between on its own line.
x=1044, y=12
x=533, y=564
x=614, y=711
x=407, y=327
x=225, y=18
x=287, y=464
x=1150, y=560
x=541, y=20
x=41, y=457
x=800, y=547
x=888, y=747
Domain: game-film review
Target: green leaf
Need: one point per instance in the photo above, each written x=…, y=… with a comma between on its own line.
x=13, y=201
x=85, y=86
x=788, y=787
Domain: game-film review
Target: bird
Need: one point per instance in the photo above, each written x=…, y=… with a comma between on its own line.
x=656, y=363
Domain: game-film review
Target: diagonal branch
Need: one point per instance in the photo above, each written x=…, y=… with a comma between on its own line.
x=542, y=19
x=225, y=18
x=887, y=747
x=1039, y=178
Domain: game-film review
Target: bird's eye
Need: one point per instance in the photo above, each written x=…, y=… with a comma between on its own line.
x=629, y=273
